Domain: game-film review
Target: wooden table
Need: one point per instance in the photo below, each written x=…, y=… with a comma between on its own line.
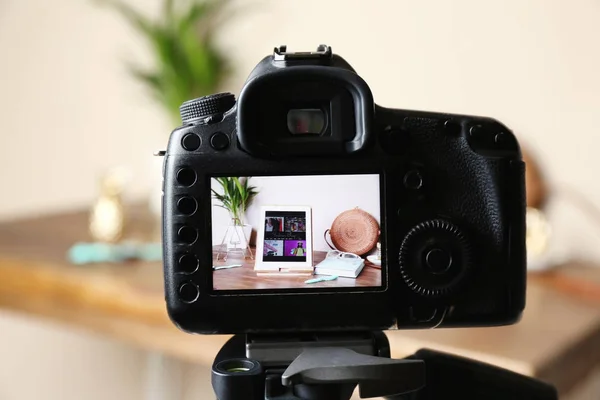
x=557, y=340
x=246, y=278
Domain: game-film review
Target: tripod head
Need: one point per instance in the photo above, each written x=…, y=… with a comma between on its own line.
x=331, y=366
x=312, y=367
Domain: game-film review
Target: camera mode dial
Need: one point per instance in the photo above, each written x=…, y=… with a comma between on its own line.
x=207, y=106
x=435, y=257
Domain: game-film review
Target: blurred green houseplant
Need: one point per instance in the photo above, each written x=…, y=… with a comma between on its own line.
x=187, y=64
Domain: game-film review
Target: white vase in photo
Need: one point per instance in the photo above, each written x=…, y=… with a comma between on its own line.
x=237, y=237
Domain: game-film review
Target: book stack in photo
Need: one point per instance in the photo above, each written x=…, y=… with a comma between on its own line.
x=343, y=267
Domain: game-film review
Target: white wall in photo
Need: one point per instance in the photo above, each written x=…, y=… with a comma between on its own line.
x=328, y=196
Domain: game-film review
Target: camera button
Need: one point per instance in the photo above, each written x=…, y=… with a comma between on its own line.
x=191, y=142
x=492, y=140
x=219, y=141
x=188, y=292
x=438, y=261
x=188, y=263
x=187, y=205
x=186, y=176
x=476, y=130
x=422, y=314
x=395, y=141
x=413, y=180
x=452, y=127
x=187, y=234
x=500, y=138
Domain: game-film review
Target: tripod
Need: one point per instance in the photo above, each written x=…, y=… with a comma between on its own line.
x=329, y=366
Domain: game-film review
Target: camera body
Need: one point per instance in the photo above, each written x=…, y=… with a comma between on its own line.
x=451, y=202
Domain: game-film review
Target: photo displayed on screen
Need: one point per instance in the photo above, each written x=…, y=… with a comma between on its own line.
x=284, y=236
x=277, y=238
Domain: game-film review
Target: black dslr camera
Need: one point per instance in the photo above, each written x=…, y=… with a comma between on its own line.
x=447, y=192
x=432, y=235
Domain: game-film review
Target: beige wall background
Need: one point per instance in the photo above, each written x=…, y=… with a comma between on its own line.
x=68, y=111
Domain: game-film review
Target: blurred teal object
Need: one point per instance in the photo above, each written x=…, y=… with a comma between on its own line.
x=89, y=253
x=322, y=279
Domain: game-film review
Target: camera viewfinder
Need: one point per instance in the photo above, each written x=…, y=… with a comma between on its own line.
x=306, y=121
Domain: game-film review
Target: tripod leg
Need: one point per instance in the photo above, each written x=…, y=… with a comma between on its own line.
x=450, y=376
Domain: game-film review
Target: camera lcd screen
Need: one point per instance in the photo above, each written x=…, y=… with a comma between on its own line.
x=296, y=232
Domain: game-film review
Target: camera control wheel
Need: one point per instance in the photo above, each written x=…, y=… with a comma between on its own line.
x=207, y=106
x=435, y=257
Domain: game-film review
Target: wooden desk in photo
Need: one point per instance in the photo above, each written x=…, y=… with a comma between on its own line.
x=245, y=277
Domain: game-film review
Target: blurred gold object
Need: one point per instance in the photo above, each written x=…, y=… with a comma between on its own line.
x=107, y=217
x=538, y=232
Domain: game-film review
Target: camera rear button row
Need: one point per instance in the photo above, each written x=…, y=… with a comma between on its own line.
x=218, y=141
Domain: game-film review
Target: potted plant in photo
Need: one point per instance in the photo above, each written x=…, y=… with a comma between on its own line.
x=237, y=194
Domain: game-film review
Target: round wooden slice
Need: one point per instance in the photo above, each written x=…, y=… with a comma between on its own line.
x=355, y=231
